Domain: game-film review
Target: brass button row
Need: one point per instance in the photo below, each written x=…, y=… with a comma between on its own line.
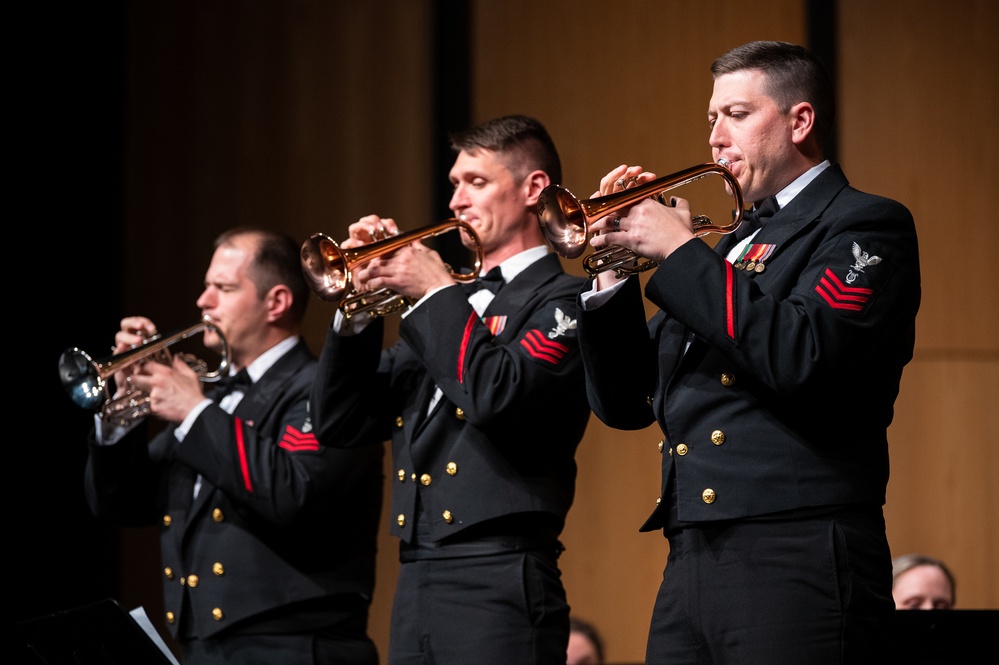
x=217, y=515
x=717, y=438
x=216, y=614
x=401, y=518
x=708, y=496
x=192, y=580
x=450, y=469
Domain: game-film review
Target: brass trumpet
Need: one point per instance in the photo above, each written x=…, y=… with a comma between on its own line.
x=85, y=379
x=329, y=269
x=565, y=219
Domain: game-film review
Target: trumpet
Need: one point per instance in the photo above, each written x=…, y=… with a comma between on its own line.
x=565, y=219
x=86, y=379
x=329, y=268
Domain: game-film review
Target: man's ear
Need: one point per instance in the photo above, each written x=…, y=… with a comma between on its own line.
x=534, y=183
x=279, y=300
x=802, y=122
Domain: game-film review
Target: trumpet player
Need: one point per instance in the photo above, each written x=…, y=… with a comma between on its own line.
x=238, y=483
x=772, y=366
x=483, y=401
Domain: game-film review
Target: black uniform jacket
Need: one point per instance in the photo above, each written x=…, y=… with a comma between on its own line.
x=501, y=441
x=280, y=518
x=783, y=399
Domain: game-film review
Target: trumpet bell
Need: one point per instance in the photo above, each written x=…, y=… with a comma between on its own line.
x=80, y=377
x=325, y=267
x=562, y=221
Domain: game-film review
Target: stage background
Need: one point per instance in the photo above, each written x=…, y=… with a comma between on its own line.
x=144, y=129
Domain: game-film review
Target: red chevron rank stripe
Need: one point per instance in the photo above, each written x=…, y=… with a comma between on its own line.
x=540, y=347
x=297, y=441
x=840, y=296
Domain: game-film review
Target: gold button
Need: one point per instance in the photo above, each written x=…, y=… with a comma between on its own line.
x=218, y=515
x=425, y=479
x=166, y=520
x=168, y=571
x=401, y=520
x=217, y=614
x=708, y=496
x=718, y=437
x=402, y=475
x=170, y=617
x=662, y=445
x=413, y=476
x=192, y=581
x=183, y=581
x=218, y=569
x=451, y=468
x=398, y=421
x=447, y=516
x=659, y=500
x=727, y=379
x=459, y=413
x=681, y=449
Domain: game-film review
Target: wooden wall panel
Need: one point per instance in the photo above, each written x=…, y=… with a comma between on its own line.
x=942, y=495
x=915, y=86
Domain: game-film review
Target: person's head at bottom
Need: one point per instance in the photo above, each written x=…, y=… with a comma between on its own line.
x=921, y=582
x=586, y=647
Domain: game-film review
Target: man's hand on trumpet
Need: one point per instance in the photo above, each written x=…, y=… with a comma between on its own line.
x=648, y=228
x=173, y=389
x=412, y=270
x=134, y=332
x=369, y=229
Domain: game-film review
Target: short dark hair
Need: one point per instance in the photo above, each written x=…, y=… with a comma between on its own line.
x=583, y=627
x=523, y=141
x=277, y=260
x=793, y=74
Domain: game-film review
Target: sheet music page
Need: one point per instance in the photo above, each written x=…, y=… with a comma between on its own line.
x=139, y=614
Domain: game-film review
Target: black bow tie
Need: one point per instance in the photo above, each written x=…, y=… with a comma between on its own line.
x=755, y=219
x=492, y=280
x=239, y=381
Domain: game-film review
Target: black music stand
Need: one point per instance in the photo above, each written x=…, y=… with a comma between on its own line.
x=102, y=633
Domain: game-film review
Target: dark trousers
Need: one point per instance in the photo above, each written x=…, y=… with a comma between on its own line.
x=815, y=591
x=498, y=609
x=283, y=649
x=271, y=642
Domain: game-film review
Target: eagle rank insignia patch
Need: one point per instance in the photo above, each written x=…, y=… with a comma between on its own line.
x=542, y=346
x=854, y=289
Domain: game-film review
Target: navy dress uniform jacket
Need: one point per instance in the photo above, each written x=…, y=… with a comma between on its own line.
x=783, y=398
x=281, y=522
x=502, y=439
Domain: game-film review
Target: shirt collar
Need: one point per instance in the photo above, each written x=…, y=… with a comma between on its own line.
x=785, y=195
x=266, y=360
x=516, y=264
